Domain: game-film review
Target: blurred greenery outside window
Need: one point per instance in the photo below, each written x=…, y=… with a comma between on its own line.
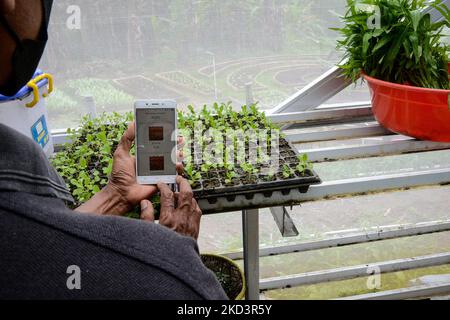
x=126, y=50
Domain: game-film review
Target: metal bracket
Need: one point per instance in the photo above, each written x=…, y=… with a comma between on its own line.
x=284, y=222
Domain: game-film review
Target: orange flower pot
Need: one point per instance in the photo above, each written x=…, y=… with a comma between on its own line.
x=413, y=111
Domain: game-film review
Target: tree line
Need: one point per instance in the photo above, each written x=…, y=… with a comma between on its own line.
x=179, y=32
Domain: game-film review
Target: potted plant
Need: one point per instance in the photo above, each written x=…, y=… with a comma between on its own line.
x=229, y=274
x=398, y=49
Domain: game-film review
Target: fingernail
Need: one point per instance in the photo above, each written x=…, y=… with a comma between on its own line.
x=145, y=206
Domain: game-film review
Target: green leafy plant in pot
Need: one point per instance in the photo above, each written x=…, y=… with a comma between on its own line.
x=397, y=47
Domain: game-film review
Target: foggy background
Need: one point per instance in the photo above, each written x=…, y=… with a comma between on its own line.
x=124, y=50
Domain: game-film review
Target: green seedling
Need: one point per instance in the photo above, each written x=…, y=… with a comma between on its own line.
x=269, y=175
x=192, y=175
x=287, y=172
x=263, y=157
x=205, y=168
x=86, y=163
x=230, y=176
x=249, y=169
x=303, y=164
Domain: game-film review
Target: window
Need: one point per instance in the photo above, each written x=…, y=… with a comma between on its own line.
x=196, y=52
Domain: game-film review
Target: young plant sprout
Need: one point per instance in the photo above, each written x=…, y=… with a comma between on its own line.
x=249, y=169
x=205, y=167
x=205, y=112
x=181, y=119
x=254, y=110
x=192, y=175
x=228, y=163
x=263, y=157
x=263, y=119
x=303, y=164
x=230, y=175
x=192, y=111
x=219, y=110
x=244, y=111
x=270, y=174
x=287, y=172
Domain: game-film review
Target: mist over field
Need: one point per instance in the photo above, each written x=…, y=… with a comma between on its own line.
x=196, y=52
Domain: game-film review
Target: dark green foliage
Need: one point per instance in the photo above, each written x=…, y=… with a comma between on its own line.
x=407, y=49
x=86, y=163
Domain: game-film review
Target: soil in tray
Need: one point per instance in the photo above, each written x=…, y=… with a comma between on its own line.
x=301, y=175
x=231, y=183
x=288, y=153
x=281, y=176
x=210, y=175
x=211, y=184
x=247, y=180
x=196, y=186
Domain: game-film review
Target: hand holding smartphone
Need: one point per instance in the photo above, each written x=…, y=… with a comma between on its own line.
x=156, y=141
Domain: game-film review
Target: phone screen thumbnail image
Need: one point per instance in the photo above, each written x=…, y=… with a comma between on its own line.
x=156, y=133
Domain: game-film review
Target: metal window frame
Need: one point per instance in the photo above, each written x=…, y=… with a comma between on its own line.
x=405, y=293
x=352, y=272
x=361, y=237
x=364, y=151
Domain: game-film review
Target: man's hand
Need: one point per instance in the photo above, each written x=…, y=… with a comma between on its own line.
x=179, y=211
x=122, y=193
x=123, y=180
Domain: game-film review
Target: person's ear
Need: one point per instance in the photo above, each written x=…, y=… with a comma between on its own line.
x=7, y=6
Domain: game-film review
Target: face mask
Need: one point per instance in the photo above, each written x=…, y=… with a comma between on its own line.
x=27, y=55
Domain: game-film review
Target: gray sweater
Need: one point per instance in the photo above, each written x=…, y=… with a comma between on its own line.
x=42, y=241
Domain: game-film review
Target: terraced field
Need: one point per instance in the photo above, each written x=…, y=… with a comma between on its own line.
x=141, y=86
x=272, y=79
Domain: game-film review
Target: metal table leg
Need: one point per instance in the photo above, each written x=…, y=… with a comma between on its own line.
x=250, y=228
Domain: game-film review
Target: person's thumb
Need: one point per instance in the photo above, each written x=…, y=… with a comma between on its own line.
x=147, y=211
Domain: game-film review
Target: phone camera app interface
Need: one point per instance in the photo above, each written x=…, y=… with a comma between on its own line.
x=155, y=141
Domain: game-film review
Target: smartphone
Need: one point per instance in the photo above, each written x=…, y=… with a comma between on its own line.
x=156, y=141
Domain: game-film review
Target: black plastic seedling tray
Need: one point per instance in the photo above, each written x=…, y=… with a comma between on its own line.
x=279, y=191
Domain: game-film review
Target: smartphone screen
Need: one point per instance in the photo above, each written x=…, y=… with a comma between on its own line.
x=156, y=144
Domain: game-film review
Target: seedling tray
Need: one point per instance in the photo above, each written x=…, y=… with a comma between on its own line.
x=86, y=163
x=225, y=184
x=215, y=195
